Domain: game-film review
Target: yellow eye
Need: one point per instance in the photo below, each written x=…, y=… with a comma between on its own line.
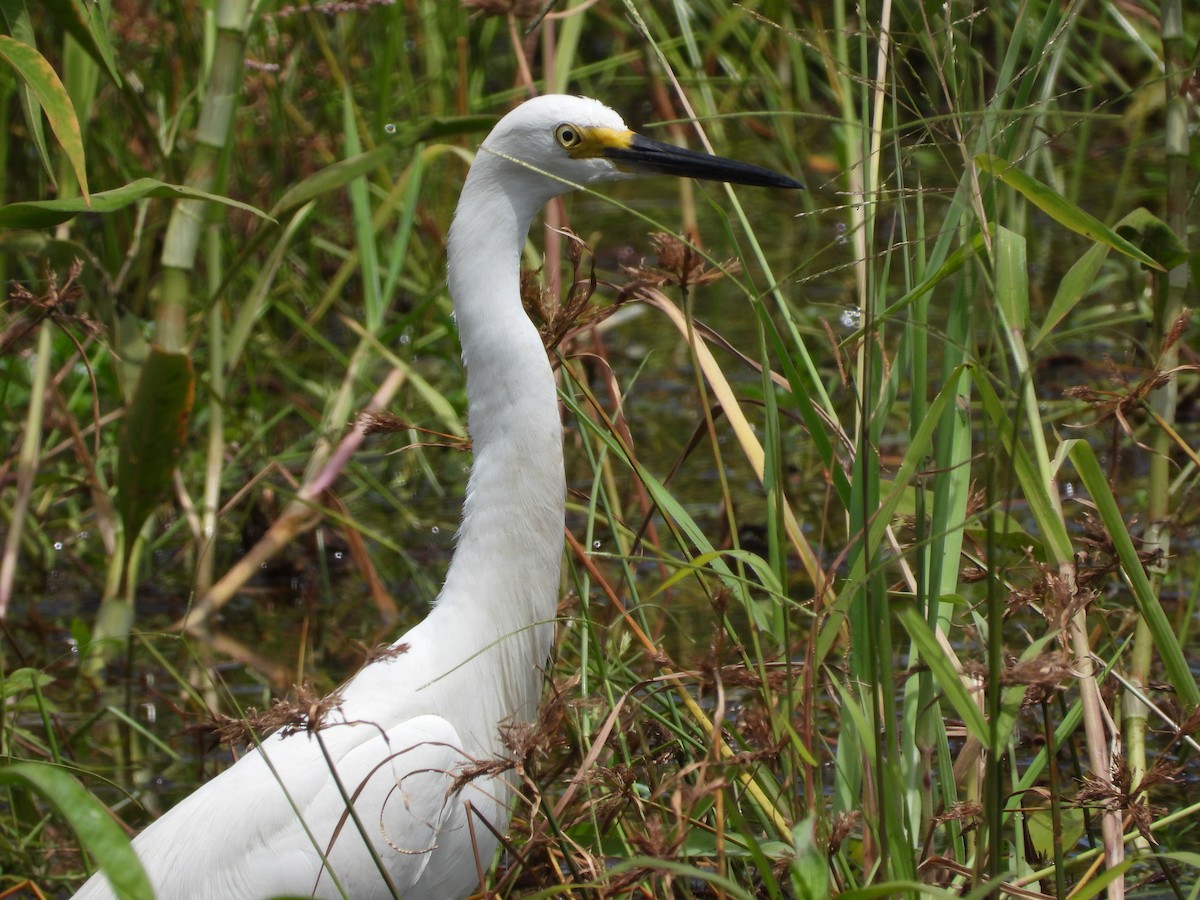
x=568, y=136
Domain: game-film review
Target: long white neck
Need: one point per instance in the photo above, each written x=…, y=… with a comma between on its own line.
x=504, y=577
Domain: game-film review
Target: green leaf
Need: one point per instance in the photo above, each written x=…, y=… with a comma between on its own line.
x=1152, y=234
x=810, y=866
x=1042, y=505
x=1075, y=285
x=1060, y=209
x=1012, y=285
x=85, y=23
x=1039, y=822
x=97, y=832
x=41, y=78
x=701, y=561
x=47, y=213
x=332, y=178
x=1097, y=886
x=948, y=679
x=1141, y=228
x=342, y=172
x=965, y=252
x=1165, y=640
x=19, y=26
x=441, y=127
x=152, y=437
x=20, y=681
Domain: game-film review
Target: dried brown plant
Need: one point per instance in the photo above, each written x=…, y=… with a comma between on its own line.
x=679, y=264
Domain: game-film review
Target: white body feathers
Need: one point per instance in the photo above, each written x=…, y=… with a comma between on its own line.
x=408, y=723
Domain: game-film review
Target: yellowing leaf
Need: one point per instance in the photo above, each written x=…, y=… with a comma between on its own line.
x=36, y=72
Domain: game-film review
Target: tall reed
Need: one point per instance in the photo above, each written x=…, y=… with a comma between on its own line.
x=878, y=576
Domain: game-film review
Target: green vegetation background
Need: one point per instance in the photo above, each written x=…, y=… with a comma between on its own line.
x=880, y=557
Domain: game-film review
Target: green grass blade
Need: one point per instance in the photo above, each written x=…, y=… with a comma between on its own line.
x=1174, y=661
x=1043, y=507
x=1060, y=209
x=1074, y=286
x=333, y=177
x=48, y=213
x=98, y=833
x=951, y=685
x=91, y=34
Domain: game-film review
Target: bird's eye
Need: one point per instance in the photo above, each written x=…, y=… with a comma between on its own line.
x=568, y=136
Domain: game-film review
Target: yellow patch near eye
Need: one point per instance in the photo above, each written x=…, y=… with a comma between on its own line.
x=592, y=142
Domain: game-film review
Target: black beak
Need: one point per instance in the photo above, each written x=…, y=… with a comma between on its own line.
x=654, y=157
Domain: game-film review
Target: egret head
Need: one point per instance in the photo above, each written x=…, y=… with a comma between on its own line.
x=555, y=142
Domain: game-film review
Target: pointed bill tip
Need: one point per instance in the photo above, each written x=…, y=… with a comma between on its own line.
x=644, y=155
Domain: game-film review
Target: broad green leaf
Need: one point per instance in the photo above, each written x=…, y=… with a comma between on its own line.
x=152, y=436
x=98, y=833
x=41, y=78
x=19, y=681
x=344, y=171
x=1060, y=209
x=47, y=213
x=1141, y=227
x=1012, y=286
x=810, y=865
x=439, y=127
x=1098, y=885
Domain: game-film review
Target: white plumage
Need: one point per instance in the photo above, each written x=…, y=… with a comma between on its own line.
x=275, y=822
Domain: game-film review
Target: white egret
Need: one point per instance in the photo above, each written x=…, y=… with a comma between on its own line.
x=402, y=728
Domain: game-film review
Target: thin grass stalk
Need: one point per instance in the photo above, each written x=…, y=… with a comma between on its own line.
x=870, y=618
x=919, y=719
x=1169, y=292
x=206, y=538
x=988, y=862
x=952, y=488
x=1013, y=305
x=904, y=817
x=855, y=787
x=27, y=460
